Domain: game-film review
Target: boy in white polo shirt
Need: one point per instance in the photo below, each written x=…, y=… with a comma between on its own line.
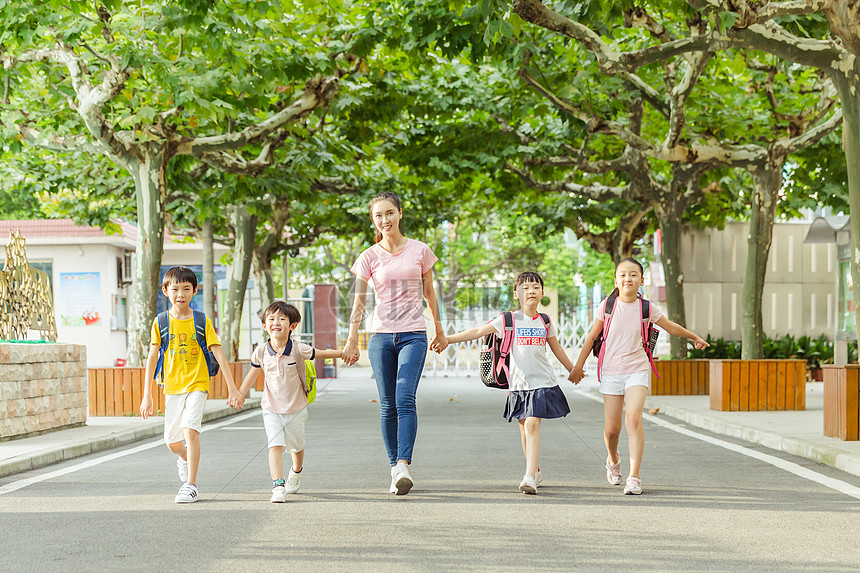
x=285, y=400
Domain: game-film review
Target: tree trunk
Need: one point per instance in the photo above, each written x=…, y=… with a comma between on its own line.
x=244, y=227
x=209, y=285
x=285, y=287
x=768, y=181
x=670, y=224
x=850, y=102
x=265, y=279
x=150, y=187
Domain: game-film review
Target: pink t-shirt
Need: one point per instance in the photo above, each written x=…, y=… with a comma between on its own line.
x=397, y=280
x=624, y=353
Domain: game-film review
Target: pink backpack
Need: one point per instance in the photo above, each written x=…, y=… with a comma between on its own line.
x=649, y=333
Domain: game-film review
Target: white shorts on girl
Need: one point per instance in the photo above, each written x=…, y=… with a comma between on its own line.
x=617, y=384
x=183, y=411
x=286, y=430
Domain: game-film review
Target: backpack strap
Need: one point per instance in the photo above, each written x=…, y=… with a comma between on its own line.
x=164, y=336
x=300, y=366
x=506, y=344
x=200, y=329
x=645, y=309
x=608, y=309
x=545, y=318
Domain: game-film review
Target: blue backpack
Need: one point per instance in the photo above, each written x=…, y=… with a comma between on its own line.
x=164, y=333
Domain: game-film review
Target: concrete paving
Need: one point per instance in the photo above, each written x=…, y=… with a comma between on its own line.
x=705, y=507
x=795, y=432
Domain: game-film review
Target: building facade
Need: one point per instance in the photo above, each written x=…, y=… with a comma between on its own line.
x=800, y=285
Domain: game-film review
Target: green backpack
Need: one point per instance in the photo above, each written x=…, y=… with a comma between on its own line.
x=308, y=376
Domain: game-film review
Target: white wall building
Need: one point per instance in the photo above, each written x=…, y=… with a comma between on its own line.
x=86, y=268
x=800, y=284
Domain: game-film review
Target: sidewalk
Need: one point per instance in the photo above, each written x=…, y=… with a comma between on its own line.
x=795, y=432
x=100, y=433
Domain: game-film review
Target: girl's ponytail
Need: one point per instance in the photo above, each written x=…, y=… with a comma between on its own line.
x=615, y=292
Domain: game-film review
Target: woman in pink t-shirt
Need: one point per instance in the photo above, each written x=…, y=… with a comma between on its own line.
x=402, y=273
x=625, y=369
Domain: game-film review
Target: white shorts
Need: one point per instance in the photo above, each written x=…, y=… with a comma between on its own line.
x=286, y=430
x=617, y=384
x=183, y=411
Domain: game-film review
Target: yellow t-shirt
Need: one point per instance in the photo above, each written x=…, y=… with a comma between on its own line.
x=185, y=368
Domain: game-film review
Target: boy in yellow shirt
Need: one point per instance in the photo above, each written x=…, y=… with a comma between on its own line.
x=185, y=375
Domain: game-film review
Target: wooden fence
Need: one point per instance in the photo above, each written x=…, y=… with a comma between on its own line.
x=118, y=391
x=681, y=378
x=842, y=402
x=748, y=385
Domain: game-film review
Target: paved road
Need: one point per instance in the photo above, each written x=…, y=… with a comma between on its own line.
x=704, y=508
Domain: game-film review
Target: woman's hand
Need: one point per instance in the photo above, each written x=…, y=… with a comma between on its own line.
x=350, y=353
x=439, y=343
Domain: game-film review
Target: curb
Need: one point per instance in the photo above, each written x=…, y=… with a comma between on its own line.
x=823, y=454
x=110, y=441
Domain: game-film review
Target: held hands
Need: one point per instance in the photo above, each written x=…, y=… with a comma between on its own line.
x=350, y=353
x=236, y=400
x=576, y=375
x=439, y=343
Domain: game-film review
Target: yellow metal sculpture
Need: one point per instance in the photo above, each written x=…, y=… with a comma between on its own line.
x=25, y=296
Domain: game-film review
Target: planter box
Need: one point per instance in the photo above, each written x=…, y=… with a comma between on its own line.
x=842, y=402
x=117, y=391
x=681, y=378
x=754, y=385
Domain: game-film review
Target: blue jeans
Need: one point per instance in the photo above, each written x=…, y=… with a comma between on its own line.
x=397, y=359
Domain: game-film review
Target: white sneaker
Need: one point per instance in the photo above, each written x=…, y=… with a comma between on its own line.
x=279, y=494
x=528, y=484
x=613, y=471
x=401, y=481
x=293, y=481
x=182, y=468
x=538, y=478
x=187, y=493
x=633, y=486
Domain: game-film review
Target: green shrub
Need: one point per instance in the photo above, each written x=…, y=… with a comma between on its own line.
x=816, y=351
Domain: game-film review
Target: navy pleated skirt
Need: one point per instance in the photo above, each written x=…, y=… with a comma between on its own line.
x=539, y=403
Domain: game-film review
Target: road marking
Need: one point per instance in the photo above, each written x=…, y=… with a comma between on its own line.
x=791, y=467
x=20, y=484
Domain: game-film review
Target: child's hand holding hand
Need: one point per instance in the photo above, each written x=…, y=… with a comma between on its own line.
x=699, y=343
x=350, y=353
x=439, y=343
x=576, y=375
x=234, y=399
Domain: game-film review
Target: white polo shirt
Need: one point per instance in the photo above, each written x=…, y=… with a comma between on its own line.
x=283, y=392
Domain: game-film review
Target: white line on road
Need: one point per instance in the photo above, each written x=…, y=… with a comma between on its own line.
x=20, y=484
x=791, y=467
